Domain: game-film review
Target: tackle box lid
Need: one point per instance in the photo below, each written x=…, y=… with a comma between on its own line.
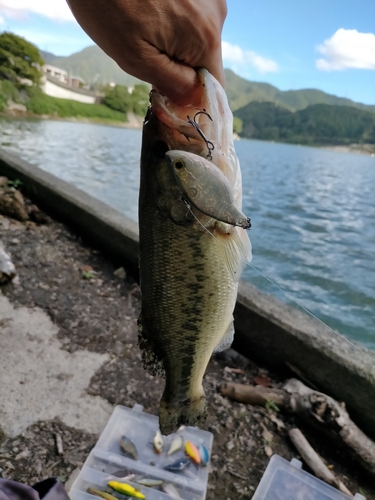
x=106, y=461
x=283, y=480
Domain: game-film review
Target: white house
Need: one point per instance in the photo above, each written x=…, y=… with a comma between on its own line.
x=57, y=83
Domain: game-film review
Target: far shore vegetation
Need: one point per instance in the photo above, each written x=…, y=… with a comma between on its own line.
x=338, y=123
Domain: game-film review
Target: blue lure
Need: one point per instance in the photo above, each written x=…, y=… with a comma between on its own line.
x=203, y=452
x=179, y=465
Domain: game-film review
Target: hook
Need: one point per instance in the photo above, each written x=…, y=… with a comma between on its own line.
x=209, y=144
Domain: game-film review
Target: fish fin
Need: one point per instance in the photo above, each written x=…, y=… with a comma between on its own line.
x=151, y=359
x=174, y=414
x=235, y=250
x=227, y=339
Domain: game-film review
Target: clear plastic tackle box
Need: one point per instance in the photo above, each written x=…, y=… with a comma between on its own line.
x=283, y=480
x=106, y=462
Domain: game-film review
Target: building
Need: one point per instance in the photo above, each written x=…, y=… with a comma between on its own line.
x=56, y=82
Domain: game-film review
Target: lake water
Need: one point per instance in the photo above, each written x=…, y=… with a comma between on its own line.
x=312, y=210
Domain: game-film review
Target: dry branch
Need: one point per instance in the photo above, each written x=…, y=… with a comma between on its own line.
x=258, y=395
x=313, y=460
x=313, y=407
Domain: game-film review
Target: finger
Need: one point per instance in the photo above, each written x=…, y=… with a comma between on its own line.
x=215, y=67
x=178, y=81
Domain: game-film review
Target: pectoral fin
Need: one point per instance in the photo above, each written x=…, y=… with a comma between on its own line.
x=227, y=339
x=235, y=250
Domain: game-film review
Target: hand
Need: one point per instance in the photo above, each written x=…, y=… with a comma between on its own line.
x=159, y=41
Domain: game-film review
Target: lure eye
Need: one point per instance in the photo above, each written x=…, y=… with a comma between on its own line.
x=179, y=165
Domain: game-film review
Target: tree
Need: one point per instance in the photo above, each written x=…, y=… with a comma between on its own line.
x=140, y=99
x=237, y=125
x=19, y=59
x=118, y=98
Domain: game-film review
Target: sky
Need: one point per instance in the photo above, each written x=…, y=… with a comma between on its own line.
x=292, y=44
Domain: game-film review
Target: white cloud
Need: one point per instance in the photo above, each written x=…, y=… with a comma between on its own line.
x=2, y=20
x=347, y=49
x=53, y=9
x=238, y=57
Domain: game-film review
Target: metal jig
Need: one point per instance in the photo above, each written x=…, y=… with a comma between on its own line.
x=209, y=144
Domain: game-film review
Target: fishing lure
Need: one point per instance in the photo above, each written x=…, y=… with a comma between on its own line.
x=205, y=456
x=146, y=481
x=125, y=489
x=192, y=451
x=158, y=442
x=175, y=445
x=179, y=465
x=102, y=494
x=128, y=448
x=171, y=490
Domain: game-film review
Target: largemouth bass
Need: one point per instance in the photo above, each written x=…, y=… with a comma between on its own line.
x=193, y=245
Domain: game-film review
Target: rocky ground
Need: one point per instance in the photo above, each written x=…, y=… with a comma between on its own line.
x=90, y=308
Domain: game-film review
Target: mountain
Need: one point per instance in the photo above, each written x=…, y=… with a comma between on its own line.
x=241, y=92
x=95, y=67
x=47, y=56
x=316, y=124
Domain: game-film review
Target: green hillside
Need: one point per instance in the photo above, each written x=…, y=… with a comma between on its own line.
x=94, y=66
x=241, y=92
x=317, y=124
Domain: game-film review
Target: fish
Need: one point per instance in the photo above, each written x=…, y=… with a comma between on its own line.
x=205, y=456
x=192, y=451
x=128, y=448
x=126, y=489
x=171, y=490
x=192, y=249
x=102, y=494
x=178, y=466
x=158, y=442
x=176, y=444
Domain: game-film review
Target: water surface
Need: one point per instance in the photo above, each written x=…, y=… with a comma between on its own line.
x=312, y=210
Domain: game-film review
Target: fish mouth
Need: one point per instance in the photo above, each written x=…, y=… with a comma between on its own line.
x=184, y=125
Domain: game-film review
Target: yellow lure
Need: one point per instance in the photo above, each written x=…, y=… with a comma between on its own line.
x=102, y=494
x=125, y=489
x=192, y=451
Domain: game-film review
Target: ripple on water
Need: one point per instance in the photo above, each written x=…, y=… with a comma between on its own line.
x=312, y=210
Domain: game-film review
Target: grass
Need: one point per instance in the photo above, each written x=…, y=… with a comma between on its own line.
x=42, y=104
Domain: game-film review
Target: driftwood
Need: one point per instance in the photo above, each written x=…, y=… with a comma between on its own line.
x=314, y=408
x=314, y=461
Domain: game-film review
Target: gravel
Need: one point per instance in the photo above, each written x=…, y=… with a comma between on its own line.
x=95, y=306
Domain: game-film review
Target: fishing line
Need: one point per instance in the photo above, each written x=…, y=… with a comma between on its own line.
x=287, y=294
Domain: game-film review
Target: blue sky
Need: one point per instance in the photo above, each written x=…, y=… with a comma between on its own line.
x=323, y=44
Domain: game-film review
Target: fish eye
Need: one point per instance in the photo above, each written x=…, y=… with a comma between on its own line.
x=179, y=165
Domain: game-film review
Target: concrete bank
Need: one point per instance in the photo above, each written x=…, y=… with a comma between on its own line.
x=267, y=330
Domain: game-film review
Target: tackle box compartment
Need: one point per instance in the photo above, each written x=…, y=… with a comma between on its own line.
x=106, y=461
x=283, y=480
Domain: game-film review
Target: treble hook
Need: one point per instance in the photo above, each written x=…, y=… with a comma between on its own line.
x=209, y=144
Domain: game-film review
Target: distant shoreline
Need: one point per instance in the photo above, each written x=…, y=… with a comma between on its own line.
x=136, y=122
x=359, y=149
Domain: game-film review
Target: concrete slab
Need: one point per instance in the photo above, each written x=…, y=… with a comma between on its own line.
x=39, y=380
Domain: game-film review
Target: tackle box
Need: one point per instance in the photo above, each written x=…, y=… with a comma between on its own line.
x=283, y=480
x=106, y=462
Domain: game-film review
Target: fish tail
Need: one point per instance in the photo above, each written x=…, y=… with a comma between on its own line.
x=172, y=415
